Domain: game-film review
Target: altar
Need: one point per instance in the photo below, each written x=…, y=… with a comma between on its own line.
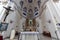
x=29, y=35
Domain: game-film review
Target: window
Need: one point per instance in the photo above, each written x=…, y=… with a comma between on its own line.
x=30, y=1
x=24, y=14
x=25, y=9
x=21, y=3
x=39, y=1
x=36, y=13
x=35, y=9
x=30, y=10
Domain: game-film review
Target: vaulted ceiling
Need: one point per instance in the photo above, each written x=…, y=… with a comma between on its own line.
x=30, y=8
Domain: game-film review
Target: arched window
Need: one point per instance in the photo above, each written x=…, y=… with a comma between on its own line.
x=39, y=1
x=21, y=3
x=25, y=9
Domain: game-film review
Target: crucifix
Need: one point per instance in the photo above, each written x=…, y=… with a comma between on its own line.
x=7, y=13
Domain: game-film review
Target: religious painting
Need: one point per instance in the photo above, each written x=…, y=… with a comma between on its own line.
x=3, y=26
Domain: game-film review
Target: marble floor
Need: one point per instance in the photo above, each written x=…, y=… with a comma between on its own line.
x=41, y=38
x=44, y=38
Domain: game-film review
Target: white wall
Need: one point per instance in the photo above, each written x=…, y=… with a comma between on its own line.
x=43, y=21
x=39, y=28
x=48, y=16
x=15, y=18
x=21, y=23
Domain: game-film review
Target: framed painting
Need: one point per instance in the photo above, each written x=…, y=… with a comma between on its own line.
x=3, y=26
